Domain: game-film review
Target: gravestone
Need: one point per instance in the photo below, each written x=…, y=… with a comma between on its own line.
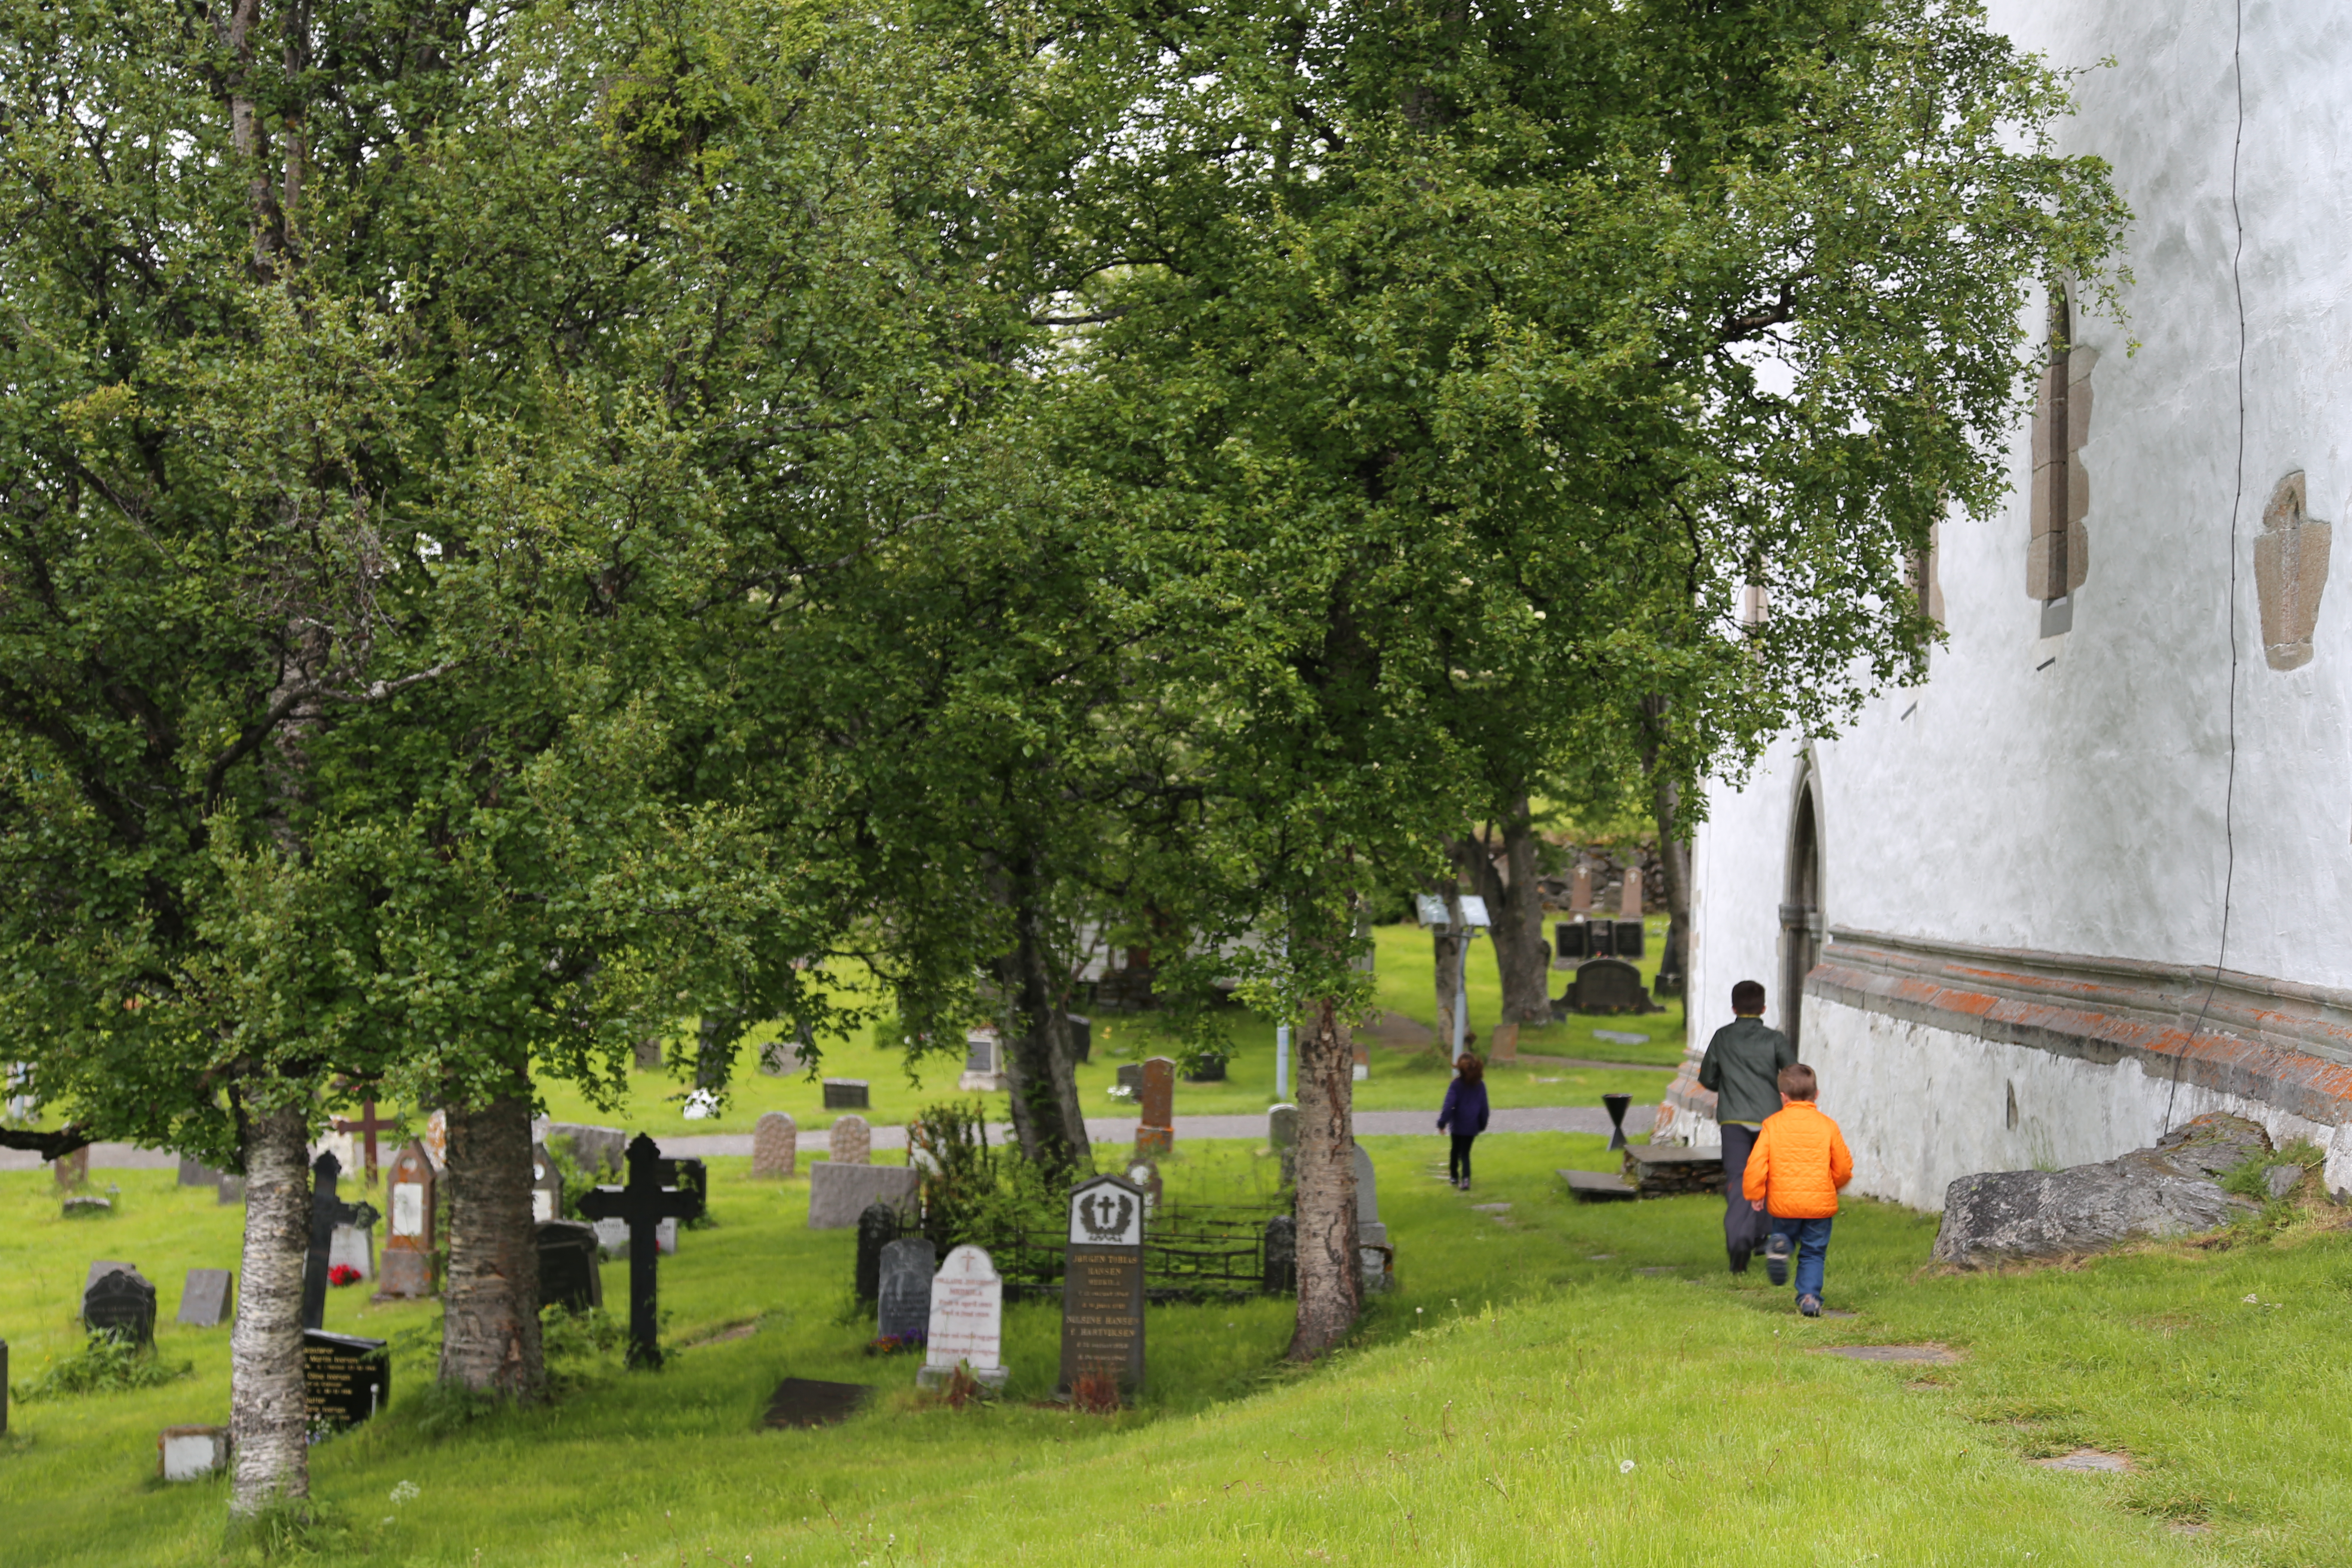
x=1628, y=943
x=437, y=1139
x=88, y=1205
x=329, y=1213
x=195, y=1174
x=644, y=1203
x=1503, y=1045
x=1131, y=1078
x=121, y=1302
x=983, y=1064
x=1208, y=1069
x=1279, y=1255
x=206, y=1298
x=1102, y=1284
x=366, y=1127
x=546, y=1186
x=846, y=1094
x=839, y=1194
x=1629, y=895
x=568, y=1272
x=903, y=1294
x=1282, y=1137
x=775, y=1146
x=599, y=1151
x=1155, y=1132
x=1580, y=892
x=1369, y=1228
x=232, y=1190
x=613, y=1238
x=1146, y=1175
x=191, y=1452
x=71, y=1171
x=1609, y=986
x=877, y=1228
x=648, y=1056
x=352, y=1246
x=967, y=1326
x=851, y=1142
x=345, y=1378
x=407, y=1273
x=1082, y=1036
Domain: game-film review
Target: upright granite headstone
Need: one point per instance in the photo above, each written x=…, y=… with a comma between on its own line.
x=352, y=1246
x=983, y=1064
x=1580, y=892
x=846, y=1094
x=1609, y=986
x=1367, y=1200
x=903, y=1299
x=206, y=1298
x=546, y=1186
x=1131, y=1078
x=408, y=1274
x=838, y=1194
x=192, y=1174
x=850, y=1142
x=877, y=1228
x=1155, y=1132
x=121, y=1302
x=345, y=1379
x=71, y=1171
x=648, y=1056
x=601, y=1152
x=1102, y=1284
x=775, y=1146
x=1082, y=1036
x=568, y=1276
x=967, y=1326
x=1279, y=1255
x=1282, y=1137
x=644, y=1203
x=232, y=1190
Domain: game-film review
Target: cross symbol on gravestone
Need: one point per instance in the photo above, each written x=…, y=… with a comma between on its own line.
x=327, y=1212
x=647, y=1200
x=369, y=1124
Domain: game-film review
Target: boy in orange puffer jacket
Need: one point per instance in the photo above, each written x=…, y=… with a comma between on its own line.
x=1795, y=1172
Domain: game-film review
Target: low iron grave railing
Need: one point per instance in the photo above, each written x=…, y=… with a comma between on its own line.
x=1197, y=1253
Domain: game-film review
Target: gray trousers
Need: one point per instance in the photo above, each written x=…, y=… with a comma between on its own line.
x=1744, y=1228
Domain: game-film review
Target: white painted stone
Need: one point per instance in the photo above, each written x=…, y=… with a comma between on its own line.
x=351, y=1245
x=967, y=1313
x=191, y=1453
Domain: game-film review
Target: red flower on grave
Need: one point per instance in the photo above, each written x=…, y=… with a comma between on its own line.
x=342, y=1274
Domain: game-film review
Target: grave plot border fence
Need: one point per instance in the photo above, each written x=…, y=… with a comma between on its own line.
x=1200, y=1253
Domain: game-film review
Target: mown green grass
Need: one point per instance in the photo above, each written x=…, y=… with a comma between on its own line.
x=1483, y=1417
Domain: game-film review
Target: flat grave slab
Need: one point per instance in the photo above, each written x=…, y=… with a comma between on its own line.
x=2087, y=1460
x=1939, y=1355
x=808, y=1402
x=1665, y=1171
x=1599, y=1186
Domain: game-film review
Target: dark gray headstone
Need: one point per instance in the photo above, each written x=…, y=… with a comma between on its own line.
x=122, y=1303
x=594, y=1149
x=1082, y=1036
x=904, y=1312
x=1368, y=1190
x=877, y=1228
x=1609, y=986
x=205, y=1299
x=345, y=1379
x=1629, y=939
x=1131, y=1078
x=1102, y=1284
x=846, y=1094
x=1281, y=1256
x=568, y=1272
x=193, y=1175
x=232, y=1190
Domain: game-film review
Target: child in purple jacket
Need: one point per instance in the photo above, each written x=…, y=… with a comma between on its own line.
x=1466, y=1112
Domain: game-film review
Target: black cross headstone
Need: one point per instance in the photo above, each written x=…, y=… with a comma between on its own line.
x=650, y=1197
x=327, y=1212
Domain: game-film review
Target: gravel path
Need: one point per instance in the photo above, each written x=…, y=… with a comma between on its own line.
x=1108, y=1129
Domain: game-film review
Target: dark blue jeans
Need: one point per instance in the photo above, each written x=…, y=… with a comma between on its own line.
x=1812, y=1239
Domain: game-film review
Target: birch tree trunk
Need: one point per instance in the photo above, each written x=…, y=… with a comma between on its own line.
x=1330, y=1287
x=489, y=1296
x=268, y=1429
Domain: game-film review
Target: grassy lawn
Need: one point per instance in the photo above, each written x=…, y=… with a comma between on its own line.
x=1557, y=1384
x=1397, y=1083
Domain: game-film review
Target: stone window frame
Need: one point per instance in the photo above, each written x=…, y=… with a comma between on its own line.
x=2058, y=556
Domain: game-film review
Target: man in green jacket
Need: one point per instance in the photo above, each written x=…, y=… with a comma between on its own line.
x=1743, y=1066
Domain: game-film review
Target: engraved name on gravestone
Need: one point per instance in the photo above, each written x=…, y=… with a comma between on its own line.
x=850, y=1142
x=568, y=1276
x=967, y=1326
x=206, y=1298
x=775, y=1146
x=1102, y=1284
x=546, y=1186
x=903, y=1299
x=121, y=1302
x=407, y=1273
x=345, y=1379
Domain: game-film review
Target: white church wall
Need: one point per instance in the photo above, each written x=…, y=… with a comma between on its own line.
x=2067, y=795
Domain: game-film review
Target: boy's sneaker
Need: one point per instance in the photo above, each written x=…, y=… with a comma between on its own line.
x=1776, y=1259
x=1811, y=1305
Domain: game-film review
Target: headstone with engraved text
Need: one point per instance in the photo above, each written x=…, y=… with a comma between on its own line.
x=1102, y=1284
x=850, y=1142
x=775, y=1146
x=121, y=1302
x=967, y=1326
x=903, y=1293
x=345, y=1378
x=846, y=1094
x=1155, y=1132
x=407, y=1271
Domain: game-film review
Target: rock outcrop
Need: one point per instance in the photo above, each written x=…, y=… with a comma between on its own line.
x=2006, y=1216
